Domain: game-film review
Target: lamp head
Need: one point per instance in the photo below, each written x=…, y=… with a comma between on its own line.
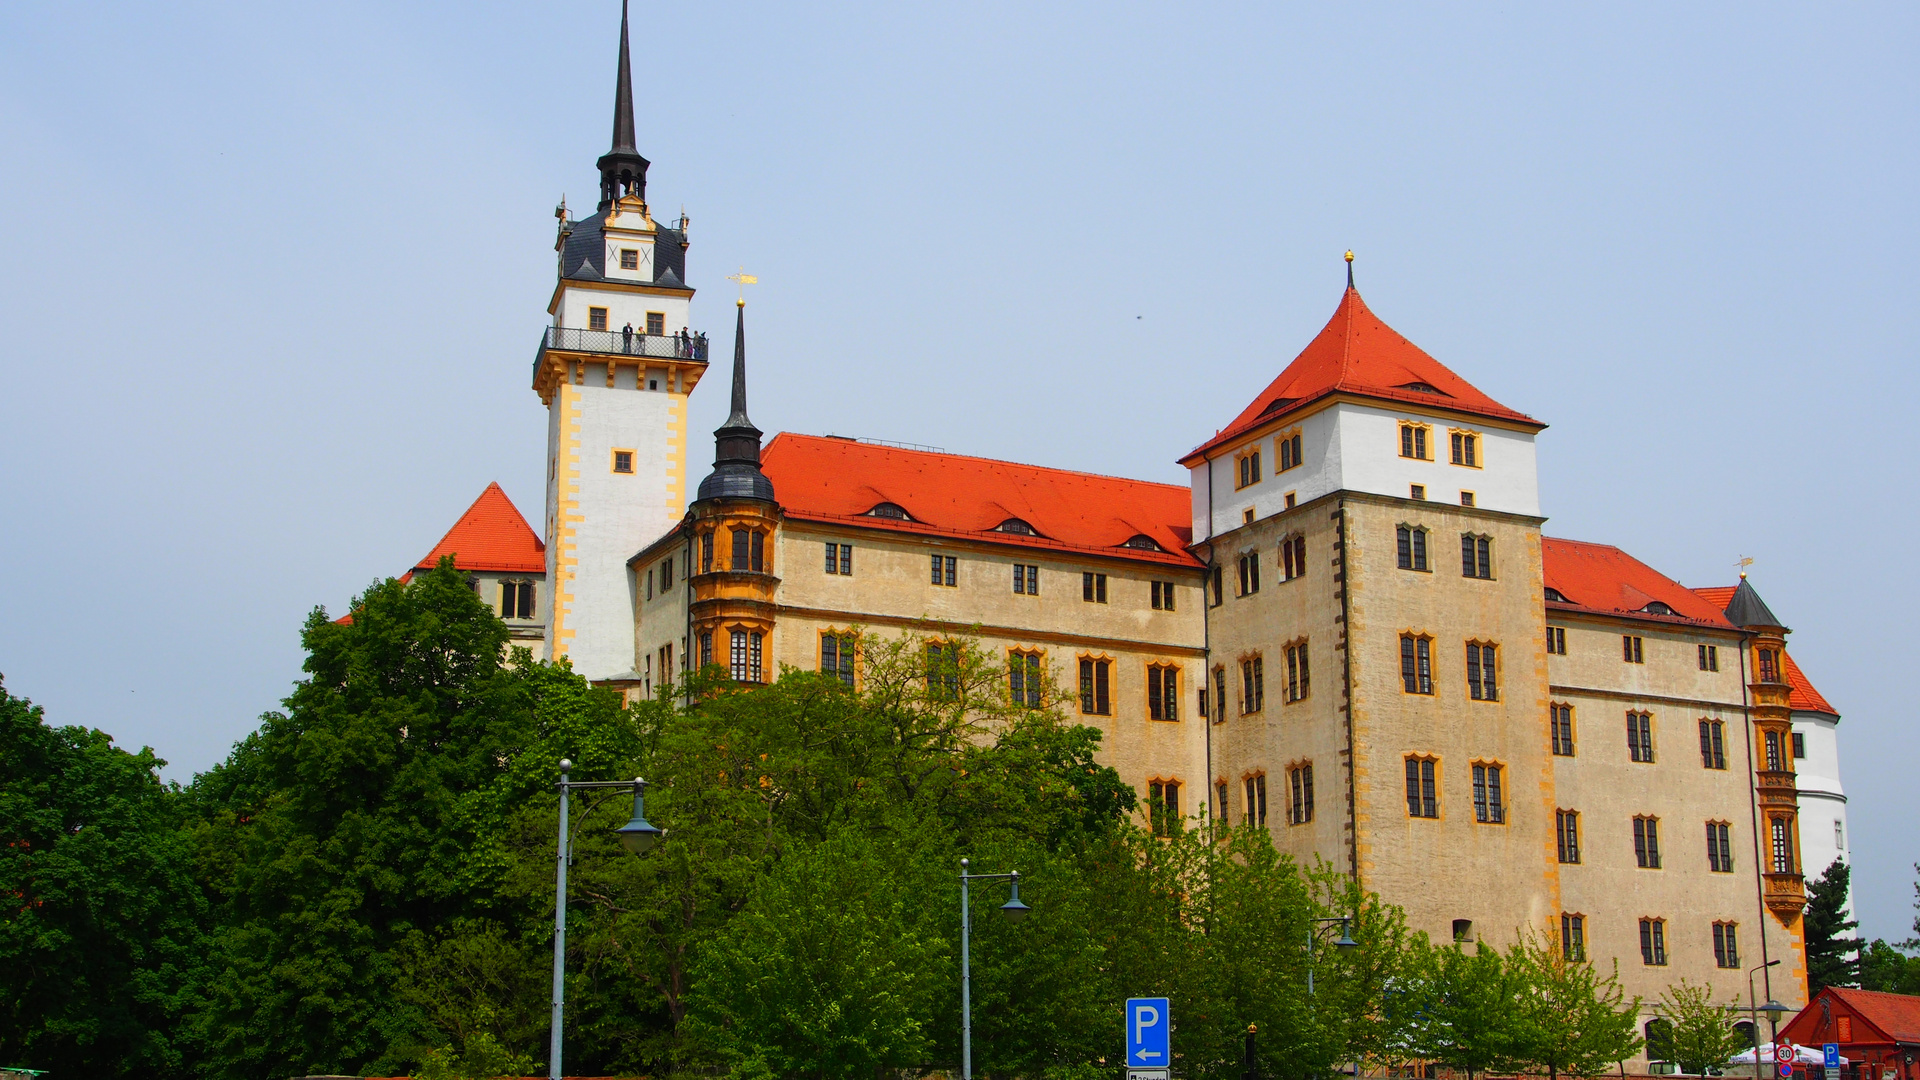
x=1013, y=909
x=1774, y=1008
x=638, y=834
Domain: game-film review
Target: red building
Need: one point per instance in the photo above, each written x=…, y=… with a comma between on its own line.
x=1879, y=1034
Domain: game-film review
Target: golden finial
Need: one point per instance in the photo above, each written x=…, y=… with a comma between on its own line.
x=1349, y=254
x=1349, y=268
x=745, y=279
x=1745, y=561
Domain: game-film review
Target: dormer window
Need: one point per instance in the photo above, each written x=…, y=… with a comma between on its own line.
x=1424, y=388
x=1142, y=542
x=1658, y=607
x=629, y=259
x=1556, y=596
x=890, y=510
x=1015, y=525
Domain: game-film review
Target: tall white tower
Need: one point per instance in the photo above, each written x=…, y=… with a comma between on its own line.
x=614, y=370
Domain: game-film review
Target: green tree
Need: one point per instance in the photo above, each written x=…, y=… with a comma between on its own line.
x=1888, y=969
x=1831, y=951
x=1465, y=1016
x=1575, y=1021
x=1702, y=1033
x=102, y=939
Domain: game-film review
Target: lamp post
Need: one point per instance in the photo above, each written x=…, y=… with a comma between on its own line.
x=1773, y=1009
x=637, y=835
x=1344, y=941
x=1014, y=911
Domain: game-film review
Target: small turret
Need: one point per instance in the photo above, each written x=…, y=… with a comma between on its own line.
x=622, y=170
x=736, y=443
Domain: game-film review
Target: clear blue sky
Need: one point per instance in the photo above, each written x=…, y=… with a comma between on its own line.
x=273, y=277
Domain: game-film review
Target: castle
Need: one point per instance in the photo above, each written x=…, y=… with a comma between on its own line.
x=1348, y=628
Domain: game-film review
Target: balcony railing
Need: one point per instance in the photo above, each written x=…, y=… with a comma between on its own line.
x=621, y=343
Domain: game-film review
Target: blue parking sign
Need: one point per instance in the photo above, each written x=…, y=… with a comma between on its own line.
x=1832, y=1053
x=1148, y=1022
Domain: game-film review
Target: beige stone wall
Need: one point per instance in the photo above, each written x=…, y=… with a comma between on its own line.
x=1608, y=789
x=890, y=593
x=661, y=619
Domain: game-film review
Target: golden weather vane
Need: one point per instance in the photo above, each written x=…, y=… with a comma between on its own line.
x=1745, y=561
x=745, y=279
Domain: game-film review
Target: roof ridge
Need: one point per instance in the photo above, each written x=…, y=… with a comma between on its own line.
x=974, y=457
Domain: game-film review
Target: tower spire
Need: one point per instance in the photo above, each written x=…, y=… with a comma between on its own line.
x=1349, y=268
x=622, y=170
x=736, y=443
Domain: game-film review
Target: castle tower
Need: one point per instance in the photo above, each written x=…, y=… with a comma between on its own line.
x=614, y=369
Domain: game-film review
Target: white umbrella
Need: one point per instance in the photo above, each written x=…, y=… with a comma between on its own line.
x=1802, y=1055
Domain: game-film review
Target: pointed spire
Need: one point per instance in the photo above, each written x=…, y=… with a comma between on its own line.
x=736, y=443
x=622, y=170
x=1349, y=268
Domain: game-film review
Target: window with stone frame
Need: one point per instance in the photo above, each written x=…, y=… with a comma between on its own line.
x=1025, y=677
x=1423, y=792
x=1416, y=663
x=1300, y=783
x=1095, y=696
x=1163, y=692
x=836, y=655
x=1411, y=544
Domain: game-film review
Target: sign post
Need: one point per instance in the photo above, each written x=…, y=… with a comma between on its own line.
x=1830, y=1058
x=1149, y=1048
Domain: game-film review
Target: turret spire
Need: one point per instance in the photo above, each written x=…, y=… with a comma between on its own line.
x=622, y=170
x=736, y=443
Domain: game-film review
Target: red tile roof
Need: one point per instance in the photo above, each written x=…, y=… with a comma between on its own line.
x=490, y=536
x=1717, y=595
x=1896, y=1014
x=1602, y=578
x=840, y=480
x=1358, y=354
x=1801, y=694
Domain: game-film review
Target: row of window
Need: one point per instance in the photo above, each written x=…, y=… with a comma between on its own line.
x=745, y=660
x=1653, y=941
x=1423, y=790
x=1416, y=667
x=656, y=320
x=1476, y=551
x=1246, y=466
x=1646, y=842
x=1713, y=739
x=1464, y=446
x=1632, y=646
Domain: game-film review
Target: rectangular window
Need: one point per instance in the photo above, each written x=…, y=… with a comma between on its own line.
x=1423, y=798
x=1249, y=573
x=1481, y=668
x=1163, y=693
x=943, y=671
x=1256, y=809
x=656, y=323
x=1560, y=720
x=743, y=659
x=945, y=570
x=1566, y=834
x=1214, y=580
x=839, y=558
x=1646, y=843
x=1093, y=588
x=1573, y=937
x=1630, y=649
x=1289, y=451
x=1024, y=681
x=1162, y=595
x=1719, y=847
x=758, y=562
x=1413, y=441
x=1412, y=542
x=1463, y=449
x=1773, y=752
x=1416, y=664
x=1709, y=658
x=1293, y=557
x=1249, y=469
x=1640, y=737
x=1163, y=807
x=1726, y=950
x=623, y=461
x=1219, y=694
x=1557, y=640
x=1488, y=807
x=666, y=574
x=1799, y=745
x=1466, y=498
x=1297, y=675
x=1026, y=579
x=1300, y=778
x=516, y=599
x=1769, y=665
x=1253, y=685
x=1782, y=846
x=1713, y=748
x=596, y=318
x=1476, y=556
x=1094, y=700
x=836, y=656
x=1653, y=942
x=629, y=259
x=706, y=650
x=706, y=552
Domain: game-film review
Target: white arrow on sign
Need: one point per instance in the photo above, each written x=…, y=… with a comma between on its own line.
x=1143, y=1053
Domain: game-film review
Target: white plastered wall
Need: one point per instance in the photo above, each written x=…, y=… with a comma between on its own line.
x=1824, y=835
x=622, y=308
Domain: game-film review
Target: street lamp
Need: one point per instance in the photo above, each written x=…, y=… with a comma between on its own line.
x=1344, y=941
x=637, y=835
x=1773, y=1009
x=1014, y=910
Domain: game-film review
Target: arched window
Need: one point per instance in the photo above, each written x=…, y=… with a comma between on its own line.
x=1015, y=525
x=1142, y=542
x=890, y=510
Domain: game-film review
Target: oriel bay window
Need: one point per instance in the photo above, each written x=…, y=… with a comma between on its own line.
x=1767, y=662
x=1782, y=834
x=1423, y=794
x=1024, y=678
x=1416, y=664
x=749, y=550
x=1481, y=668
x=1095, y=699
x=706, y=552
x=1163, y=692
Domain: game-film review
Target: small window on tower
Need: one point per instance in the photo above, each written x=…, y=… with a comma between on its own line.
x=623, y=461
x=656, y=323
x=596, y=318
x=629, y=259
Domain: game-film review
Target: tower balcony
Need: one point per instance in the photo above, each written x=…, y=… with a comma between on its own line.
x=563, y=348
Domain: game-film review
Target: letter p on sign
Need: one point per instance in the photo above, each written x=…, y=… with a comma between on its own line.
x=1144, y=1017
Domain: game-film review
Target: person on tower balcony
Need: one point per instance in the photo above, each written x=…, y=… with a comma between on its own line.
x=626, y=338
x=685, y=343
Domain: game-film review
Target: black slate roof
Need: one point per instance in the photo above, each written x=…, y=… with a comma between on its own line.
x=1746, y=609
x=584, y=256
